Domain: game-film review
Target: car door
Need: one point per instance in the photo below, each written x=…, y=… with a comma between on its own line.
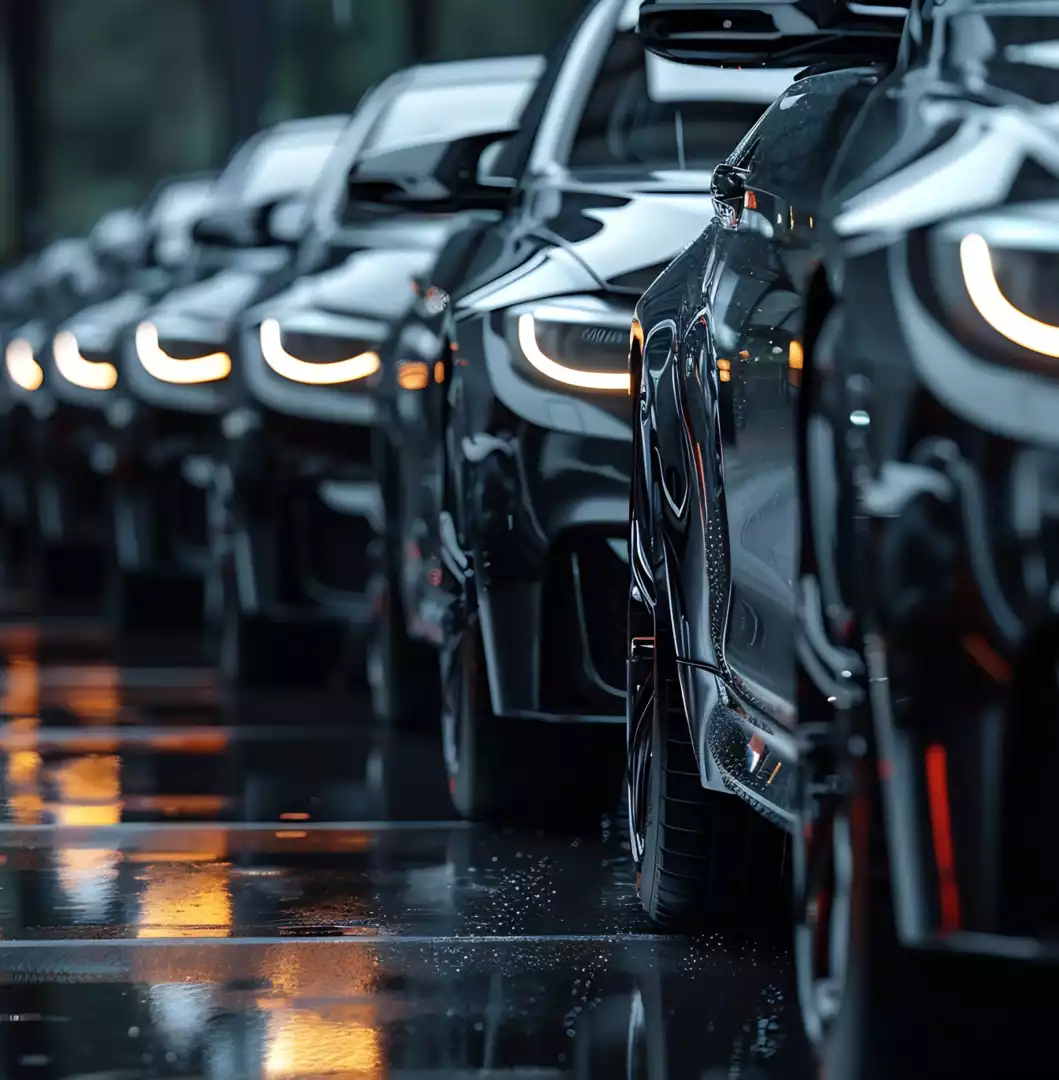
x=740, y=372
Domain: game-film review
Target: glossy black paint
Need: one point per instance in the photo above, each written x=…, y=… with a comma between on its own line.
x=717, y=401
x=954, y=467
x=849, y=468
x=509, y=489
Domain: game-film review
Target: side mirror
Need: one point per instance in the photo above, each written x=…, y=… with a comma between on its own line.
x=772, y=33
x=728, y=190
x=491, y=167
x=434, y=177
x=224, y=228
x=286, y=221
x=241, y=226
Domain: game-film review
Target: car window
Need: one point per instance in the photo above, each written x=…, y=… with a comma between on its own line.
x=644, y=111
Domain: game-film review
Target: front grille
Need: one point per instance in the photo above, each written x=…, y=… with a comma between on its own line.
x=335, y=547
x=182, y=511
x=603, y=579
x=346, y=444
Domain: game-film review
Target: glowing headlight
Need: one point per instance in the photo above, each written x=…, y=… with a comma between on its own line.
x=585, y=346
x=22, y=366
x=996, y=279
x=172, y=369
x=75, y=368
x=307, y=371
x=997, y=310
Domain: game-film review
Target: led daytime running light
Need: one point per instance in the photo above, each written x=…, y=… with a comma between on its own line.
x=586, y=380
x=997, y=310
x=171, y=369
x=290, y=367
x=22, y=365
x=75, y=368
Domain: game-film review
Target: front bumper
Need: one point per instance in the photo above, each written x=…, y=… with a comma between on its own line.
x=943, y=507
x=547, y=490
x=305, y=507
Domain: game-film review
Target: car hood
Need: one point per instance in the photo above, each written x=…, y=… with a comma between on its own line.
x=376, y=285
x=208, y=310
x=624, y=229
x=98, y=327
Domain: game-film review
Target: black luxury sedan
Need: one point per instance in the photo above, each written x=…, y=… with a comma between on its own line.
x=303, y=504
x=80, y=444
x=173, y=366
x=506, y=462
x=843, y=540
x=43, y=292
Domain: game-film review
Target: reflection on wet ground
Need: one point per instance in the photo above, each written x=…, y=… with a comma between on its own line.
x=194, y=886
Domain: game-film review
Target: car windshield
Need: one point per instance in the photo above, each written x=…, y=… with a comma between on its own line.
x=278, y=164
x=646, y=111
x=437, y=113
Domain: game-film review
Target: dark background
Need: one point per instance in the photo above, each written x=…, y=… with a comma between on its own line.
x=101, y=98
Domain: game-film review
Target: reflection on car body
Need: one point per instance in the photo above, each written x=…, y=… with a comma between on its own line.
x=837, y=359
x=507, y=472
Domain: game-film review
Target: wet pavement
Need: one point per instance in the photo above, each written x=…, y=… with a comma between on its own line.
x=194, y=885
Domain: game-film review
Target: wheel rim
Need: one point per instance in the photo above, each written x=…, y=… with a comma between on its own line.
x=824, y=886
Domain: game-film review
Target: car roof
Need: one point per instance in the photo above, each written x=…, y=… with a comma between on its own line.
x=306, y=125
x=470, y=71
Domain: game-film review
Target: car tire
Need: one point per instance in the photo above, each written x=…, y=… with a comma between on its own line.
x=700, y=855
x=511, y=769
x=706, y=855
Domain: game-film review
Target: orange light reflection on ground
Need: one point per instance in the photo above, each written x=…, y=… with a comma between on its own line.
x=301, y=1043
x=21, y=694
x=193, y=901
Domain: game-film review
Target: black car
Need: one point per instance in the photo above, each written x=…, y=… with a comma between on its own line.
x=506, y=461
x=303, y=506
x=80, y=443
x=843, y=530
x=67, y=275
x=174, y=363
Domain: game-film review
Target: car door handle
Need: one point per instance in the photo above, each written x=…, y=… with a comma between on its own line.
x=728, y=189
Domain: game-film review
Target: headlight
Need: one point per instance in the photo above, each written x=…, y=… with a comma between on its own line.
x=316, y=372
x=22, y=365
x=580, y=343
x=995, y=279
x=185, y=371
x=78, y=369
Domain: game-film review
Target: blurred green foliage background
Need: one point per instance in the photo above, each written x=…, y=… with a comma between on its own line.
x=108, y=96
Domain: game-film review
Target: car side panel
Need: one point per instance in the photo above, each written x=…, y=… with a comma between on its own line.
x=733, y=585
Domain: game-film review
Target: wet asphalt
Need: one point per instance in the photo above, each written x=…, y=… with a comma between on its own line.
x=196, y=884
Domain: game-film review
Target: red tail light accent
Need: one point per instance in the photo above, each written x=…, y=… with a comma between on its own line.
x=941, y=826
